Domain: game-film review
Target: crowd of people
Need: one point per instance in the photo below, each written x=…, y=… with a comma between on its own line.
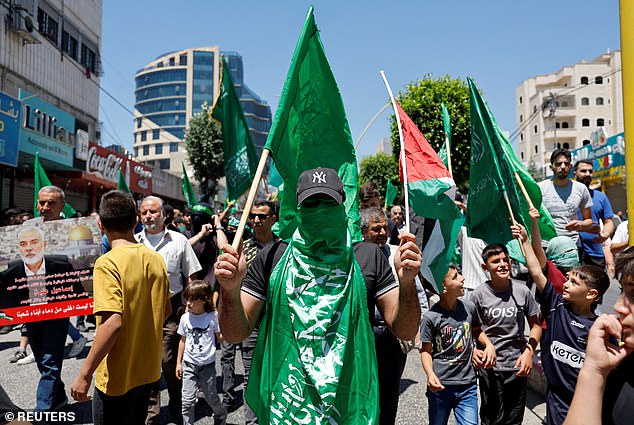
x=324, y=323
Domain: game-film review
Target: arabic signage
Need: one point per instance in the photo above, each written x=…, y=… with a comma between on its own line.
x=607, y=154
x=47, y=130
x=105, y=164
x=46, y=269
x=9, y=129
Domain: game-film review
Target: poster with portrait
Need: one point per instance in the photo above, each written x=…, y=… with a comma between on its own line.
x=46, y=269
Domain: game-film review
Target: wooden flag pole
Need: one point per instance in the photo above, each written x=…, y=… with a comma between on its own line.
x=508, y=205
x=448, y=155
x=521, y=185
x=249, y=203
x=403, y=159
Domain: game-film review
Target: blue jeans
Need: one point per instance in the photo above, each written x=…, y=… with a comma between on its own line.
x=463, y=399
x=47, y=339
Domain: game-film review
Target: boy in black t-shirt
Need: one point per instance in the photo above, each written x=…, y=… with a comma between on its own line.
x=569, y=318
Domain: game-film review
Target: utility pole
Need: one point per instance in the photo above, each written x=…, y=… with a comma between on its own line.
x=550, y=104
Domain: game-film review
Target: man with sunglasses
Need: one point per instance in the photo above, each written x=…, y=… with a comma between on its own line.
x=262, y=217
x=563, y=197
x=315, y=357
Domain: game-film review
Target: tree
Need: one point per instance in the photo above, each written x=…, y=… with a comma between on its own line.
x=421, y=100
x=536, y=172
x=378, y=168
x=203, y=141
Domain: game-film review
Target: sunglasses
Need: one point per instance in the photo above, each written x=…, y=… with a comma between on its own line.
x=260, y=216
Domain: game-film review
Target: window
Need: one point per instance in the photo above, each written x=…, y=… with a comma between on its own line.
x=47, y=25
x=520, y=100
x=557, y=125
x=136, y=151
x=88, y=58
x=521, y=117
x=598, y=80
x=599, y=101
x=585, y=101
x=536, y=149
x=146, y=150
x=585, y=122
x=158, y=148
x=534, y=129
x=564, y=124
x=143, y=136
x=69, y=45
x=522, y=137
x=584, y=80
x=522, y=155
x=600, y=122
x=586, y=142
x=172, y=61
x=164, y=164
x=182, y=60
x=139, y=121
x=564, y=103
x=534, y=108
x=156, y=134
x=566, y=145
x=174, y=147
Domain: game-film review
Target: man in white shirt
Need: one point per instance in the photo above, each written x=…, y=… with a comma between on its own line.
x=182, y=266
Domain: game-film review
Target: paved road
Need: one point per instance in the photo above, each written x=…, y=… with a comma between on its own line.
x=20, y=383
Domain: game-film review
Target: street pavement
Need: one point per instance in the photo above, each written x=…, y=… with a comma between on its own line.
x=20, y=383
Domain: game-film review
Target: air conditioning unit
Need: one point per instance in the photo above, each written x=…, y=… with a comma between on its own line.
x=23, y=23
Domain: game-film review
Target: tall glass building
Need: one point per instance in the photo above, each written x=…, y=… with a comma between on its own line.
x=172, y=88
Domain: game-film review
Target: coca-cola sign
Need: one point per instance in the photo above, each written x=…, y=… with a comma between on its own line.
x=106, y=165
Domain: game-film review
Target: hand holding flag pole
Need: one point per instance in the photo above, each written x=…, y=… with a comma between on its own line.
x=403, y=160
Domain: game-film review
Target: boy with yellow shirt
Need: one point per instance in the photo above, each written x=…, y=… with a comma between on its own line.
x=131, y=303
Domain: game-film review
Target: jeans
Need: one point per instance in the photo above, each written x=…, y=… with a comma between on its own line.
x=463, y=399
x=203, y=377
x=129, y=408
x=47, y=339
x=73, y=333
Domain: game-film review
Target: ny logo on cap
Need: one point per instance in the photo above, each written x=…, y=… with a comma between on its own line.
x=319, y=177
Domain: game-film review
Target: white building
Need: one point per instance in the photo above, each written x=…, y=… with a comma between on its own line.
x=562, y=109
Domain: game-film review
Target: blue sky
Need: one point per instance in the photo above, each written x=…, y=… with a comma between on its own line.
x=499, y=43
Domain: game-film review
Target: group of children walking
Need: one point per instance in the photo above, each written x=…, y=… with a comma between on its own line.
x=496, y=316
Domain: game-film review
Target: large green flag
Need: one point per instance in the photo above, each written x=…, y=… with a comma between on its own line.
x=311, y=130
x=121, y=184
x=493, y=166
x=241, y=159
x=188, y=190
x=40, y=180
x=274, y=176
x=446, y=147
x=390, y=193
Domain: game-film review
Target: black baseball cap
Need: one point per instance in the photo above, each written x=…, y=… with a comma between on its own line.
x=320, y=181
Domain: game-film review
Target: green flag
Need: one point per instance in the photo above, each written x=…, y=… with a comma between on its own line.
x=40, y=180
x=493, y=165
x=311, y=130
x=274, y=176
x=188, y=190
x=121, y=184
x=390, y=193
x=241, y=159
x=446, y=147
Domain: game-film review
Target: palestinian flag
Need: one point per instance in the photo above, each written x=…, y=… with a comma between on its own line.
x=431, y=194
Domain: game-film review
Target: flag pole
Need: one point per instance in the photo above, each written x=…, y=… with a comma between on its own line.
x=508, y=205
x=448, y=155
x=249, y=203
x=403, y=159
x=370, y=123
x=521, y=185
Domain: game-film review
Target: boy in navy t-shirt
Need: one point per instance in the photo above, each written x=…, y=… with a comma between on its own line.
x=568, y=318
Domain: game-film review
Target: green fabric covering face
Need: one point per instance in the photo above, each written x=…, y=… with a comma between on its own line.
x=563, y=252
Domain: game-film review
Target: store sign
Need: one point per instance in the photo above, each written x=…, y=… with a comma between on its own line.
x=81, y=145
x=106, y=165
x=9, y=129
x=607, y=155
x=47, y=130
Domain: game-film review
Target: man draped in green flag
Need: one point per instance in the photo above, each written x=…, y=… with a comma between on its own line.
x=315, y=359
x=41, y=180
x=493, y=166
x=239, y=152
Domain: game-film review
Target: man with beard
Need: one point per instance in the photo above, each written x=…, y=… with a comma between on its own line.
x=593, y=252
x=564, y=197
x=314, y=359
x=182, y=266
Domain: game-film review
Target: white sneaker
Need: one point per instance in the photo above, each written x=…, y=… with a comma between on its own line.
x=77, y=347
x=28, y=359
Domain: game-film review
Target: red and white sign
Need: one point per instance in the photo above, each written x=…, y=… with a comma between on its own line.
x=106, y=164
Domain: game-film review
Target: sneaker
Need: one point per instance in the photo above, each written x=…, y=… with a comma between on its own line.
x=77, y=347
x=18, y=355
x=28, y=359
x=82, y=328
